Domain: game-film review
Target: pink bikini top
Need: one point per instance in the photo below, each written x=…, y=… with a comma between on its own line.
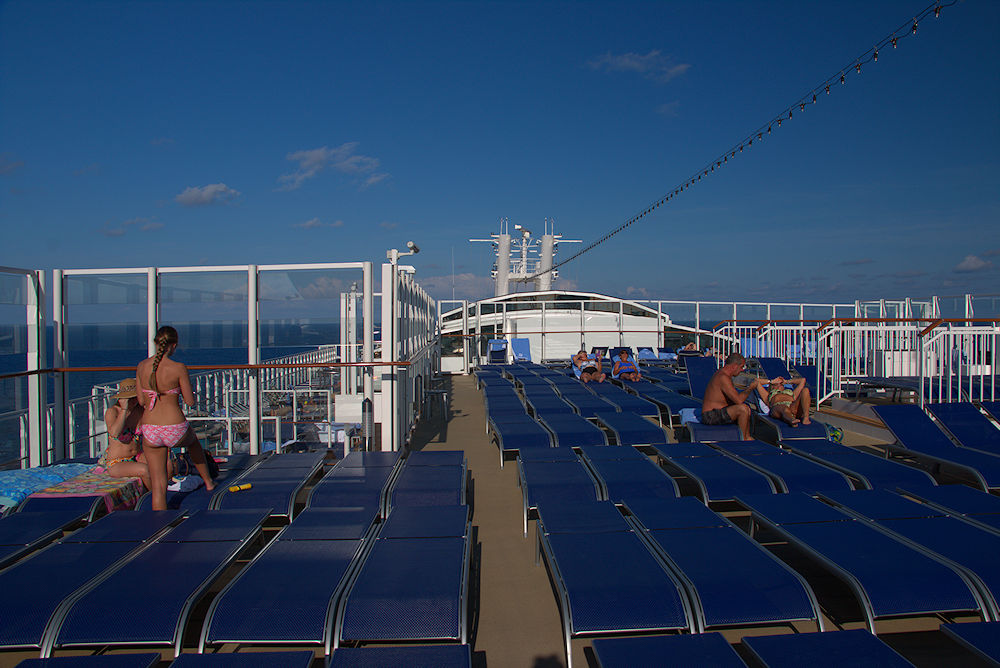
x=154, y=395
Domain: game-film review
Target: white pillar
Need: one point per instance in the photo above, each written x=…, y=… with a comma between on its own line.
x=38, y=453
x=389, y=347
x=60, y=416
x=253, y=357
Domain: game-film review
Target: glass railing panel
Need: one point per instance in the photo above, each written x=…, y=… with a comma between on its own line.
x=13, y=359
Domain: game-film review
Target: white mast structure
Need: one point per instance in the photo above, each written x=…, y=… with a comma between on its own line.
x=522, y=258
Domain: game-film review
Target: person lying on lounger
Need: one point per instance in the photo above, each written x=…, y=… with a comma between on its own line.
x=590, y=367
x=723, y=404
x=788, y=405
x=624, y=368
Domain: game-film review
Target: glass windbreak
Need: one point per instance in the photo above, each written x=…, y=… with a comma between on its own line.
x=680, y=314
x=785, y=312
x=105, y=327
x=752, y=312
x=13, y=359
x=209, y=311
x=713, y=314
x=986, y=306
x=300, y=323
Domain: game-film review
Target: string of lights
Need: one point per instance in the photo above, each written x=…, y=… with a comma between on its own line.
x=853, y=68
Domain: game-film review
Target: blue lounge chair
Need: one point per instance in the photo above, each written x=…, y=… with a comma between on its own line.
x=718, y=477
x=30, y=588
x=888, y=578
x=596, y=594
x=669, y=401
x=794, y=473
x=273, y=601
x=426, y=656
x=276, y=483
x=967, y=425
x=623, y=401
x=833, y=649
x=627, y=478
x=520, y=349
x=429, y=486
x=515, y=433
x=413, y=585
x=553, y=482
x=496, y=351
x=571, y=430
x=24, y=532
x=206, y=543
x=95, y=661
x=978, y=507
x=302, y=659
x=980, y=638
x=585, y=403
x=632, y=429
x=702, y=649
x=918, y=436
x=733, y=580
x=964, y=544
x=869, y=470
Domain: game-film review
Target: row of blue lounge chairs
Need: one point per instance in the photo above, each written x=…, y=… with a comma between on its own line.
x=380, y=539
x=673, y=565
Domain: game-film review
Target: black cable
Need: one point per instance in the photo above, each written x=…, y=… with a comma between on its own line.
x=907, y=29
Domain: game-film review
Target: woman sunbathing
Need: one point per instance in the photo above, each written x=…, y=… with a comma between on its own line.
x=788, y=405
x=123, y=458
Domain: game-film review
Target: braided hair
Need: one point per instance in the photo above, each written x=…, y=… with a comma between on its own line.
x=165, y=337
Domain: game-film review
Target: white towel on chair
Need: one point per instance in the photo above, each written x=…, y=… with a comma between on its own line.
x=185, y=484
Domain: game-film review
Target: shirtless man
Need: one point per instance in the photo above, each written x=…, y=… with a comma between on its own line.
x=722, y=403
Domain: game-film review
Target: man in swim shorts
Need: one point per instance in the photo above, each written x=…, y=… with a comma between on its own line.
x=723, y=404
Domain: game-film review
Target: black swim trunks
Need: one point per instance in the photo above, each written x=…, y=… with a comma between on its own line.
x=589, y=369
x=716, y=416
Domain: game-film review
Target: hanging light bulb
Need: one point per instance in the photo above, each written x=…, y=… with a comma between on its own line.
x=857, y=68
x=802, y=106
x=875, y=56
x=913, y=30
x=843, y=79
x=827, y=89
x=789, y=114
x=768, y=129
x=779, y=122
x=814, y=95
x=937, y=11
x=760, y=136
x=894, y=41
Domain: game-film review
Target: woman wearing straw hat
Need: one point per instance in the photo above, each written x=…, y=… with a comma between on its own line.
x=121, y=459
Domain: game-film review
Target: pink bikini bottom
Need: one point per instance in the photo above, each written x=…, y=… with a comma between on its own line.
x=163, y=435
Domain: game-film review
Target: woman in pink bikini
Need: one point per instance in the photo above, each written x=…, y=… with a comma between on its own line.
x=162, y=381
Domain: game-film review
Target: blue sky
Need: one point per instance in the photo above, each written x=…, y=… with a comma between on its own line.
x=188, y=133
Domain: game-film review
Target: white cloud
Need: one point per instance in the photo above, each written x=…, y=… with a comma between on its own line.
x=143, y=224
x=215, y=193
x=341, y=158
x=388, y=225
x=161, y=141
x=653, y=65
x=972, y=263
x=851, y=263
x=315, y=223
x=9, y=164
x=669, y=109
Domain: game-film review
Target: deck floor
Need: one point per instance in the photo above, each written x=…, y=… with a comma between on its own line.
x=518, y=620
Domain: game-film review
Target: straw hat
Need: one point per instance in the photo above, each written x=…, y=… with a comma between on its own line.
x=126, y=389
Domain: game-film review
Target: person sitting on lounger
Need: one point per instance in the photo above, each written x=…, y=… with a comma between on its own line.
x=624, y=368
x=590, y=367
x=123, y=458
x=788, y=405
x=723, y=404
